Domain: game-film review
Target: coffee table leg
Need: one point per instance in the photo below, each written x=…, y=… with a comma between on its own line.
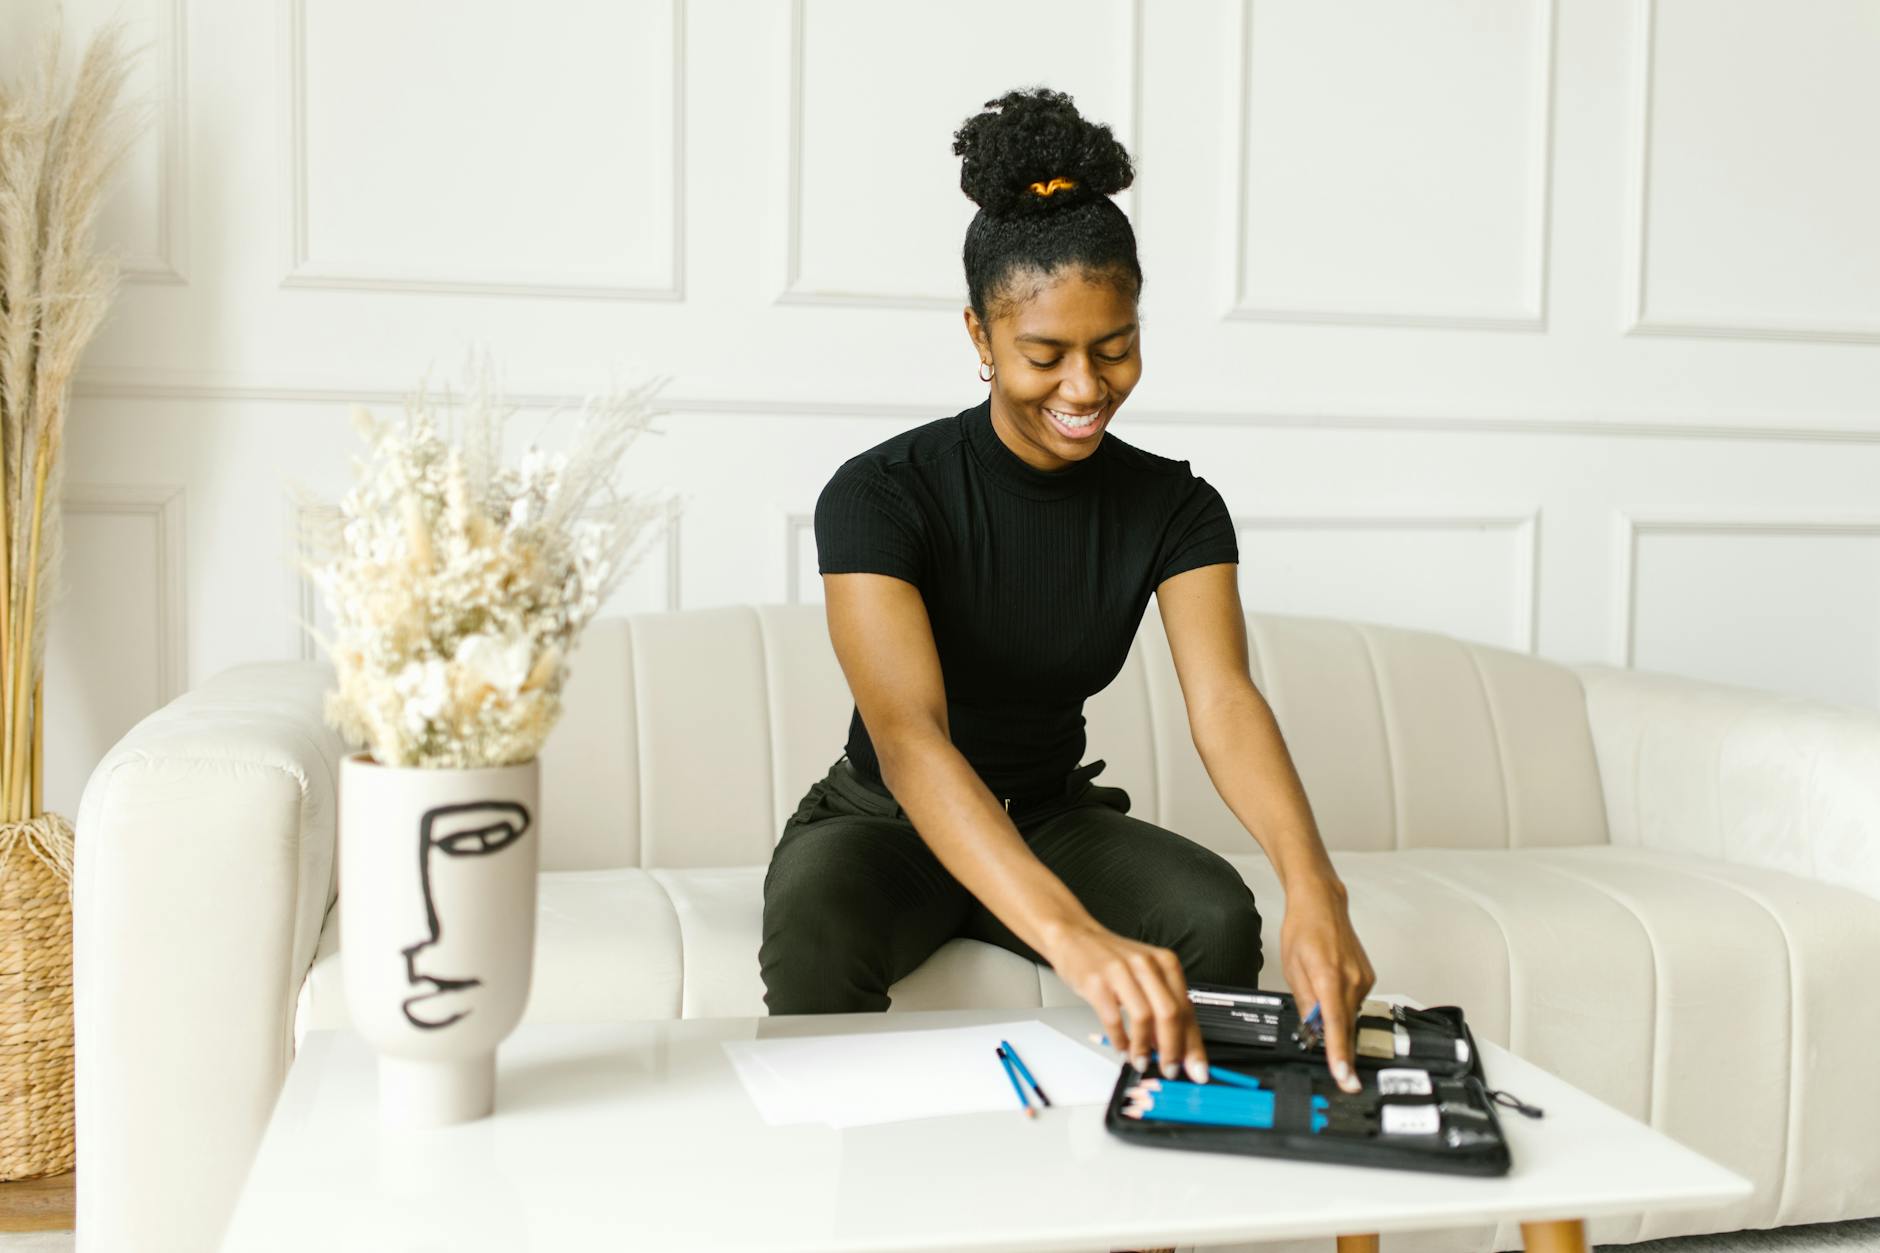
x=1566, y=1236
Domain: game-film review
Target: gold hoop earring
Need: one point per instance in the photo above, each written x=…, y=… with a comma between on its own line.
x=985, y=366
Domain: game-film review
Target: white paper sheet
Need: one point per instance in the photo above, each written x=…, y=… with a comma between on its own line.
x=867, y=1077
x=777, y=1101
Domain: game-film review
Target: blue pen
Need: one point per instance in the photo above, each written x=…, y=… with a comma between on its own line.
x=1012, y=1054
x=1013, y=1076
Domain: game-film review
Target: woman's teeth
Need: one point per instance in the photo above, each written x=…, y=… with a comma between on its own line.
x=1068, y=420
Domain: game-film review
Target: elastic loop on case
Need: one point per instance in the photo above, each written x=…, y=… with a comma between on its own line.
x=1508, y=1100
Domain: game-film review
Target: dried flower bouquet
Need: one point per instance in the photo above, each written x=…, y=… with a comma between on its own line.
x=460, y=586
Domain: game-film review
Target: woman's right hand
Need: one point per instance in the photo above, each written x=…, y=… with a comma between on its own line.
x=1113, y=974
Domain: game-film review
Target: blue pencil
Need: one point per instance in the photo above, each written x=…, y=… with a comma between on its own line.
x=1228, y=1078
x=1013, y=1076
x=1209, y=1117
x=1173, y=1092
x=1214, y=1072
x=1217, y=1119
x=1023, y=1069
x=1244, y=1109
x=1181, y=1087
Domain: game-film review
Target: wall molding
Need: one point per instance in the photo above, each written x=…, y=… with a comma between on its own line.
x=169, y=265
x=1531, y=317
x=106, y=383
x=304, y=271
x=792, y=292
x=307, y=517
x=1629, y=525
x=794, y=524
x=164, y=505
x=1635, y=319
x=1521, y=523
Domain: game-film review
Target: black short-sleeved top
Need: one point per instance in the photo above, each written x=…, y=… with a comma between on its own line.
x=1035, y=581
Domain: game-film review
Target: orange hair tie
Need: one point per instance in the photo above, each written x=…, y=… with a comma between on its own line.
x=1056, y=184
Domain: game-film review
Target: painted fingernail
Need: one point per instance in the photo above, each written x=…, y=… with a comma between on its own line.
x=1197, y=1070
x=1140, y=1062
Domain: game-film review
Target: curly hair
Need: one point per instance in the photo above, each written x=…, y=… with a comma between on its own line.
x=1042, y=176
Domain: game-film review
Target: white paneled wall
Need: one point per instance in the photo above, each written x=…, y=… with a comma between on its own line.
x=1551, y=325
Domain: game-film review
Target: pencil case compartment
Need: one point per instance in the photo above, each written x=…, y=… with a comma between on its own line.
x=1386, y=1034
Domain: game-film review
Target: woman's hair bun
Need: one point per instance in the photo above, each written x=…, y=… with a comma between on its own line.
x=1034, y=136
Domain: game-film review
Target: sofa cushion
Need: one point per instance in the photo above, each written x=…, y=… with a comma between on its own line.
x=1403, y=738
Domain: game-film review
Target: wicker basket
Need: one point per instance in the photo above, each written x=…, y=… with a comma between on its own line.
x=36, y=1122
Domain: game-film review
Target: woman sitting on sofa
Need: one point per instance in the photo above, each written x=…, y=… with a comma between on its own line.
x=984, y=574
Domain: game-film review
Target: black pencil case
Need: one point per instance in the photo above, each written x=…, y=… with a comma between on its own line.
x=1425, y=1103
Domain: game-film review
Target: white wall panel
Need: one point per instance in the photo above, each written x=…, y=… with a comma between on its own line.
x=1393, y=162
x=116, y=633
x=438, y=146
x=1758, y=206
x=1472, y=575
x=1791, y=604
x=874, y=215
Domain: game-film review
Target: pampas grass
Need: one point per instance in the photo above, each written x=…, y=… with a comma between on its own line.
x=55, y=159
x=56, y=156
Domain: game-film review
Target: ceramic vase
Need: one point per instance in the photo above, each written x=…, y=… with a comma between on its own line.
x=437, y=903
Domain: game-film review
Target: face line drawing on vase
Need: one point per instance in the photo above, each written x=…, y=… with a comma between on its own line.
x=503, y=823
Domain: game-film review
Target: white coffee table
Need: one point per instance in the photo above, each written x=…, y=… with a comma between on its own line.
x=640, y=1136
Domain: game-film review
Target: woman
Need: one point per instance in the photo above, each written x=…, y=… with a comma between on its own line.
x=983, y=575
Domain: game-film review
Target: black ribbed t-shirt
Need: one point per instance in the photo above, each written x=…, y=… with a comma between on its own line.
x=1035, y=581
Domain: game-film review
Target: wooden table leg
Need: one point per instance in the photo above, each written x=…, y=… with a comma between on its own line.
x=1566, y=1236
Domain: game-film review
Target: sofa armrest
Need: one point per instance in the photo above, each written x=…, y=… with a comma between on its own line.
x=204, y=869
x=1749, y=776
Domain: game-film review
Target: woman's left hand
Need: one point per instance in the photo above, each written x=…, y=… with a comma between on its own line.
x=1326, y=966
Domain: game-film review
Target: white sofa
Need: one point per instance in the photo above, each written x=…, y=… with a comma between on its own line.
x=1665, y=891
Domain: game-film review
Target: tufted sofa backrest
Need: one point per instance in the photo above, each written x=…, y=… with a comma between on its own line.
x=687, y=738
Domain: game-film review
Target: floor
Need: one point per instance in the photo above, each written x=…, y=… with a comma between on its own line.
x=1861, y=1236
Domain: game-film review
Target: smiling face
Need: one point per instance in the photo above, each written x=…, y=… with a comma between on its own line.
x=1067, y=350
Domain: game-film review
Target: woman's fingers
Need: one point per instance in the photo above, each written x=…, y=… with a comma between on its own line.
x=1194, y=1053
x=1141, y=1033
x=1335, y=1015
x=1171, y=1042
x=1103, y=1001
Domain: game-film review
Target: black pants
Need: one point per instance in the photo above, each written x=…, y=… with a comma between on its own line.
x=854, y=899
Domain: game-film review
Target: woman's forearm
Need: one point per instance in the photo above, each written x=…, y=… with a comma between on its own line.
x=972, y=836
